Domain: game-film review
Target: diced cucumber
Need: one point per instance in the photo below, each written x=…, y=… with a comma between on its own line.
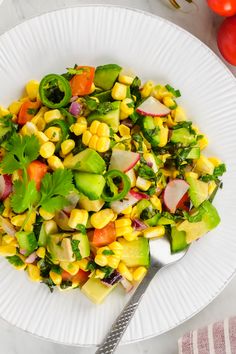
x=112, y=117
x=95, y=290
x=182, y=136
x=84, y=246
x=106, y=75
x=27, y=241
x=87, y=160
x=194, y=153
x=178, y=240
x=89, y=184
x=135, y=253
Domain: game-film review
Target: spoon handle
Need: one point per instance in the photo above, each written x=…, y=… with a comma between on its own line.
x=118, y=328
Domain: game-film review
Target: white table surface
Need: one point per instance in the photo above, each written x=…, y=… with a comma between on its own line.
x=201, y=22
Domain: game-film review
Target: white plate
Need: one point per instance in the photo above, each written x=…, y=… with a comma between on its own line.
x=157, y=50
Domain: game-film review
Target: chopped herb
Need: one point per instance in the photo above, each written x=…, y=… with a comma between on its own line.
x=146, y=172
x=107, y=252
x=15, y=260
x=81, y=228
x=56, y=269
x=105, y=107
x=134, y=89
x=194, y=218
x=107, y=270
x=75, y=249
x=218, y=171
x=171, y=89
x=92, y=104
x=185, y=124
x=91, y=266
x=151, y=191
x=32, y=111
x=130, y=105
x=1, y=207
x=135, y=116
x=49, y=283
x=70, y=119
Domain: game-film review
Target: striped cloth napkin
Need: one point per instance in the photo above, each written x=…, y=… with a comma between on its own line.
x=217, y=338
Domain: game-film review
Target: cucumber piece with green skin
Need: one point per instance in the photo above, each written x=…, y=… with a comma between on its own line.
x=87, y=160
x=91, y=185
x=42, y=241
x=150, y=131
x=178, y=240
x=135, y=253
x=112, y=117
x=95, y=290
x=194, y=153
x=106, y=75
x=104, y=96
x=84, y=246
x=27, y=241
x=198, y=191
x=153, y=221
x=182, y=136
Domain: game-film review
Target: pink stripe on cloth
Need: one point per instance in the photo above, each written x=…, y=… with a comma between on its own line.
x=218, y=338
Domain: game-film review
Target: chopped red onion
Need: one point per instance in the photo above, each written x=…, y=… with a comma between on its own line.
x=75, y=108
x=138, y=225
x=150, y=164
x=73, y=98
x=7, y=226
x=128, y=122
x=31, y=258
x=113, y=278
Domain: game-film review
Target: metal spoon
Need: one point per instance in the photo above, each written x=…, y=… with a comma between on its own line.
x=161, y=256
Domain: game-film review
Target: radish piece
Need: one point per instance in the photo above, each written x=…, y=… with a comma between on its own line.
x=138, y=195
x=5, y=186
x=23, y=252
x=138, y=225
x=123, y=160
x=152, y=107
x=174, y=192
x=118, y=206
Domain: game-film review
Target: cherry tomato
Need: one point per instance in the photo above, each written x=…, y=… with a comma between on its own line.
x=81, y=83
x=226, y=39
x=223, y=7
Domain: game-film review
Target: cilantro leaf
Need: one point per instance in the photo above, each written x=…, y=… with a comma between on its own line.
x=105, y=107
x=15, y=260
x=171, y=89
x=107, y=252
x=81, y=228
x=24, y=196
x=54, y=188
x=21, y=151
x=75, y=249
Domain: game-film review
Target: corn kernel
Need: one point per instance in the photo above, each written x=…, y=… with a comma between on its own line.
x=99, y=274
x=7, y=205
x=101, y=260
x=114, y=217
x=7, y=239
x=70, y=267
x=125, y=79
x=29, y=129
x=127, y=210
x=41, y=124
x=50, y=226
x=124, y=130
x=203, y=142
x=191, y=174
x=101, y=249
x=92, y=88
x=101, y=218
x=203, y=165
x=42, y=138
x=121, y=231
x=56, y=278
x=127, y=107
x=156, y=231
x=159, y=92
x=45, y=214
x=78, y=216
x=116, y=246
x=83, y=264
x=30, y=222
x=103, y=144
x=93, y=142
x=94, y=127
x=18, y=220
x=113, y=261
x=34, y=272
x=125, y=272
x=54, y=162
x=139, y=274
x=41, y=252
x=15, y=107
x=216, y=162
x=132, y=236
x=32, y=88
x=147, y=89
x=164, y=132
x=156, y=202
x=7, y=251
x=179, y=114
x=119, y=91
x=3, y=111
x=169, y=102
x=47, y=149
x=103, y=130
x=170, y=122
x=67, y=146
x=86, y=137
x=53, y=134
x=143, y=184
x=122, y=222
x=211, y=187
x=51, y=115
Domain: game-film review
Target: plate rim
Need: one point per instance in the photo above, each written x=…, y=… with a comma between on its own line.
x=233, y=79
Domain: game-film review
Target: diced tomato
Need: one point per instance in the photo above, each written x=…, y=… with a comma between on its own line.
x=184, y=203
x=81, y=277
x=36, y=171
x=104, y=236
x=66, y=276
x=81, y=83
x=28, y=111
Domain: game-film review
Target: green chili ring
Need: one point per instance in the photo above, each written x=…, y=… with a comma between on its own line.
x=55, y=91
x=126, y=185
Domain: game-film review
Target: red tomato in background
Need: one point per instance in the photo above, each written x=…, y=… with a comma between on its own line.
x=226, y=39
x=223, y=7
